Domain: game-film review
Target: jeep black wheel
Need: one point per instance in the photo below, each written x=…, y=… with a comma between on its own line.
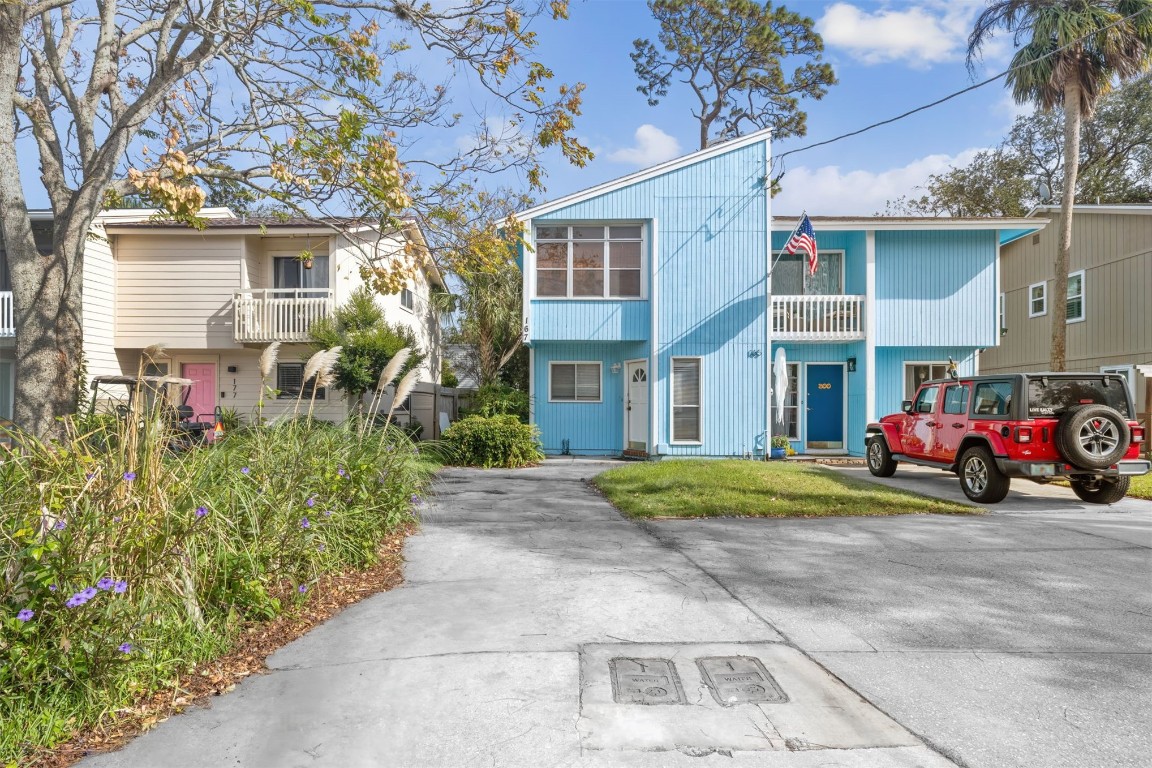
x=980, y=478
x=1101, y=490
x=1092, y=436
x=880, y=461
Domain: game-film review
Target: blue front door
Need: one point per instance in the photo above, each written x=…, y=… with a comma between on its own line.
x=825, y=404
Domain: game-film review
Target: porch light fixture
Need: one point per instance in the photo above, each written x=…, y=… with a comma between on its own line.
x=615, y=367
x=851, y=365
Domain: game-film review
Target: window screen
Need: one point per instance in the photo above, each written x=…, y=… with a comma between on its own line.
x=290, y=382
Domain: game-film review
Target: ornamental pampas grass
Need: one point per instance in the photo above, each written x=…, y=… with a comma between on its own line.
x=323, y=373
x=403, y=389
x=386, y=376
x=267, y=363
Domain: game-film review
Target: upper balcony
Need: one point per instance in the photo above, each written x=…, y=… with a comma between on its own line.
x=7, y=316
x=279, y=314
x=817, y=318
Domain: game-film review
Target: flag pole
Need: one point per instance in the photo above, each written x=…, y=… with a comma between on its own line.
x=769, y=322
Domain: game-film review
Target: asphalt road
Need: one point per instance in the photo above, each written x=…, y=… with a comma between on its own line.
x=1020, y=637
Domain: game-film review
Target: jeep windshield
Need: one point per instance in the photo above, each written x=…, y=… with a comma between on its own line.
x=1052, y=396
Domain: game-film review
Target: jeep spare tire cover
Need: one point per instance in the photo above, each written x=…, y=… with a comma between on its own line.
x=1092, y=436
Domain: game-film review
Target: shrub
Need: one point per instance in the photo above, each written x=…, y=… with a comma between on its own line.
x=494, y=441
x=498, y=400
x=124, y=563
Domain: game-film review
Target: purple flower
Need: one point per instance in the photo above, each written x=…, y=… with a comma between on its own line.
x=129, y=476
x=415, y=499
x=328, y=513
x=201, y=511
x=304, y=523
x=61, y=525
x=116, y=519
x=310, y=503
x=321, y=548
x=125, y=648
x=52, y=587
x=89, y=475
x=303, y=588
x=341, y=472
x=120, y=587
x=88, y=593
x=105, y=583
x=25, y=615
x=76, y=600
x=244, y=470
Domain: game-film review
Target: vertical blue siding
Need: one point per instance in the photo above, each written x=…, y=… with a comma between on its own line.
x=591, y=428
x=602, y=320
x=890, y=370
x=936, y=288
x=710, y=226
x=856, y=385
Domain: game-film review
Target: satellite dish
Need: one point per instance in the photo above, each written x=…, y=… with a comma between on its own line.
x=1044, y=192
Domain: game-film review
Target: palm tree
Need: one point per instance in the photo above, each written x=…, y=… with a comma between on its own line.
x=1075, y=50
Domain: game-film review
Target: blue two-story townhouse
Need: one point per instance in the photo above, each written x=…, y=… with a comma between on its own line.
x=652, y=324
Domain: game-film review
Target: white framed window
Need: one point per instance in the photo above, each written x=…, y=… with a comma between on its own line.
x=574, y=382
x=1003, y=316
x=916, y=374
x=686, y=400
x=1075, y=304
x=1037, y=299
x=597, y=261
x=407, y=299
x=790, y=276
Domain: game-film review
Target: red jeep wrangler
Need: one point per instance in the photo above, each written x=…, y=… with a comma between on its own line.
x=1040, y=426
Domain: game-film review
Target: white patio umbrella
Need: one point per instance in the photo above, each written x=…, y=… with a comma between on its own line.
x=780, y=373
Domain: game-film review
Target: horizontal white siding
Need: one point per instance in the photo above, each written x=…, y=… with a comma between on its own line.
x=99, y=316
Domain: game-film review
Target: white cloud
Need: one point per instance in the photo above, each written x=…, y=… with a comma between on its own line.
x=652, y=146
x=832, y=191
x=922, y=35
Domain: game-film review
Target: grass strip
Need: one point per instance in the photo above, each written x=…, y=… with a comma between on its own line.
x=1141, y=487
x=733, y=488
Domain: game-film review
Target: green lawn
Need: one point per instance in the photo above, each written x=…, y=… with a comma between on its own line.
x=1141, y=487
x=731, y=488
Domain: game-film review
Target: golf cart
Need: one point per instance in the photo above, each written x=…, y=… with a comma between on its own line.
x=166, y=396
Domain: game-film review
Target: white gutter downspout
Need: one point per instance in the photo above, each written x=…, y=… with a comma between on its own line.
x=870, y=326
x=767, y=301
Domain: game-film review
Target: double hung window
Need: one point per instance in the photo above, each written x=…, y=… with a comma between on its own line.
x=574, y=382
x=290, y=382
x=582, y=261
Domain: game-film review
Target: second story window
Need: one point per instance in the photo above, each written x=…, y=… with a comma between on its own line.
x=597, y=262
x=1076, y=296
x=1037, y=299
x=290, y=272
x=407, y=299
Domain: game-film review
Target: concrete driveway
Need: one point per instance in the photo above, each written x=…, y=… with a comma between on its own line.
x=1022, y=637
x=539, y=628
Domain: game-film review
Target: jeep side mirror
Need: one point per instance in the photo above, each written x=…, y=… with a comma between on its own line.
x=906, y=406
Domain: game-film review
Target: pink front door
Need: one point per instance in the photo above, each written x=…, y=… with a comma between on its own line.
x=202, y=396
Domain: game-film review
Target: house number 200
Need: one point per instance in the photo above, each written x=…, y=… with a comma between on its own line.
x=824, y=386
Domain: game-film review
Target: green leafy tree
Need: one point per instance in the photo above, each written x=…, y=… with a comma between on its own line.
x=367, y=343
x=1072, y=52
x=730, y=53
x=1028, y=166
x=314, y=106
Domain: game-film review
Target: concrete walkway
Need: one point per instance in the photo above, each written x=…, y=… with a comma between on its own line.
x=538, y=628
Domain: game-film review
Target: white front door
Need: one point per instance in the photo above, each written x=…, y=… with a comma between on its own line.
x=636, y=406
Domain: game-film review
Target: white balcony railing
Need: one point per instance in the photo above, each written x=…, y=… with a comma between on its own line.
x=279, y=314
x=7, y=315
x=817, y=318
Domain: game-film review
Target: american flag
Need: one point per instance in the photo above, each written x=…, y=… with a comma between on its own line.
x=804, y=239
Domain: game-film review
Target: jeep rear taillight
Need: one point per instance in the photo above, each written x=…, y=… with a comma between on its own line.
x=1137, y=434
x=1023, y=434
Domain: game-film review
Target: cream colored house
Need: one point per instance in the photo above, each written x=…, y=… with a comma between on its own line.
x=215, y=299
x=1109, y=297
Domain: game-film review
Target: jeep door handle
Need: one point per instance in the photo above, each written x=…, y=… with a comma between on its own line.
x=957, y=425
x=929, y=423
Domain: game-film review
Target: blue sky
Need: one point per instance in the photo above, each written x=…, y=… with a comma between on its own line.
x=889, y=57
